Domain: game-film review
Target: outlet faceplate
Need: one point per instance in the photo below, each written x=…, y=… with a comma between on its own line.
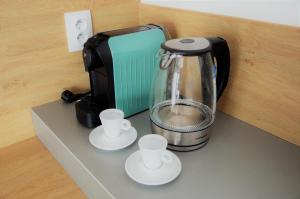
x=78, y=28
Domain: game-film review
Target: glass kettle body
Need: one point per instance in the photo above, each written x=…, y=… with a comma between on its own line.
x=192, y=75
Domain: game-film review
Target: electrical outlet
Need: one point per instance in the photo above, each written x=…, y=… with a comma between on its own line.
x=78, y=28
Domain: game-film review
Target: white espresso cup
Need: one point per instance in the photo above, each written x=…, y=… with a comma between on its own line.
x=153, y=151
x=113, y=122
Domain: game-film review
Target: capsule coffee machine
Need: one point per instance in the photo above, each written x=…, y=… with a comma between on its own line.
x=120, y=64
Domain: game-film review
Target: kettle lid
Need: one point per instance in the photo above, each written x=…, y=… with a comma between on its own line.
x=187, y=46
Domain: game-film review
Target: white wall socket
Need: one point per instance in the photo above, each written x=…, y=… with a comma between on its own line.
x=78, y=28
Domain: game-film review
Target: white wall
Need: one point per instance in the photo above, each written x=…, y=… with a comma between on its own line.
x=276, y=11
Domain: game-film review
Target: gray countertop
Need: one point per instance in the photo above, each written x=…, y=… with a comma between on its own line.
x=240, y=161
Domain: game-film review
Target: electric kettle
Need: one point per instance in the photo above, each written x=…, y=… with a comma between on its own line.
x=191, y=77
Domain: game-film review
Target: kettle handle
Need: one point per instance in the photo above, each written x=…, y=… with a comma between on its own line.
x=220, y=51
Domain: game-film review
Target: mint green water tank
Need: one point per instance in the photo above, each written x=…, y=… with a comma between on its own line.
x=134, y=62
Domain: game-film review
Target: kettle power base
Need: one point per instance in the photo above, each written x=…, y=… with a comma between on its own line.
x=214, y=171
x=187, y=148
x=183, y=141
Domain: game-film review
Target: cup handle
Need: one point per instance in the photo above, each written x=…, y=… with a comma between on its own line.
x=166, y=157
x=125, y=125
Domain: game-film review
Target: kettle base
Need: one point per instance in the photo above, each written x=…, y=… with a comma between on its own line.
x=183, y=141
x=187, y=148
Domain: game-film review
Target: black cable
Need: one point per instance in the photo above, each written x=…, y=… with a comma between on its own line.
x=69, y=97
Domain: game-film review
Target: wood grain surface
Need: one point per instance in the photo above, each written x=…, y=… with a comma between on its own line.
x=28, y=170
x=35, y=64
x=264, y=84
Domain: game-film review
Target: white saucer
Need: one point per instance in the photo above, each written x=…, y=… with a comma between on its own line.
x=136, y=170
x=99, y=140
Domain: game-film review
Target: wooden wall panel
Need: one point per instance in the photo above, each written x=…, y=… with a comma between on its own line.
x=264, y=85
x=35, y=64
